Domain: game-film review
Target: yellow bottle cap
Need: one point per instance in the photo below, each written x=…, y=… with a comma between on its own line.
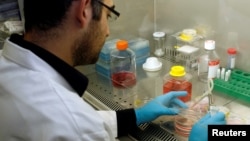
x=186, y=37
x=177, y=71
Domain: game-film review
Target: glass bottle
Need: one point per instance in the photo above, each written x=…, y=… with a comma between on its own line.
x=159, y=43
x=123, y=66
x=208, y=62
x=178, y=80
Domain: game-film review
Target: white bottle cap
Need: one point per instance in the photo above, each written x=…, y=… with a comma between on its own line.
x=209, y=44
x=152, y=64
x=159, y=34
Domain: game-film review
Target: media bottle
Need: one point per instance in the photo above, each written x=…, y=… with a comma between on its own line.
x=123, y=65
x=208, y=62
x=159, y=43
x=178, y=80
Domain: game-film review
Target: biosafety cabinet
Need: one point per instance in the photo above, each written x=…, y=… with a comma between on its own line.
x=224, y=21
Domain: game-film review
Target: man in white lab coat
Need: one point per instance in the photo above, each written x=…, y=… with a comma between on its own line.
x=40, y=91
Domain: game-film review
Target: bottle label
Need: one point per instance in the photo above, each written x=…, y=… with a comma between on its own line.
x=231, y=63
x=213, y=66
x=203, y=64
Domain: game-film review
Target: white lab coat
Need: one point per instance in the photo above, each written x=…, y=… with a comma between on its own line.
x=37, y=104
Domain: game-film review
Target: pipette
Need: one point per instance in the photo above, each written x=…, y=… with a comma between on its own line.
x=207, y=93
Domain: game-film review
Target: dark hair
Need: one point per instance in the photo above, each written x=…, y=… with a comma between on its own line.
x=46, y=14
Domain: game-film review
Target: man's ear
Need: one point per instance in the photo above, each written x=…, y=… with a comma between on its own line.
x=84, y=11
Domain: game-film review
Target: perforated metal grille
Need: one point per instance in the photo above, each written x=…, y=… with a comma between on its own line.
x=146, y=132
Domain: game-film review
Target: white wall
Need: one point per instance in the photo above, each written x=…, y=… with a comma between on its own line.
x=224, y=19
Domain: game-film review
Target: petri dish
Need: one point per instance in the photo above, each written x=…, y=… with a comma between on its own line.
x=185, y=120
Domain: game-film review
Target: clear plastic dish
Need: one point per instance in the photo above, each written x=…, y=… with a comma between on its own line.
x=185, y=120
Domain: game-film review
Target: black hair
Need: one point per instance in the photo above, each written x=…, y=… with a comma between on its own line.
x=46, y=14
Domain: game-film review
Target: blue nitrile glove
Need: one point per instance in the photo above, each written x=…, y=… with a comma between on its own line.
x=166, y=104
x=199, y=130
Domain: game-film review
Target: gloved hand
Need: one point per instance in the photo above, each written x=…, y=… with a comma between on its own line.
x=166, y=104
x=199, y=130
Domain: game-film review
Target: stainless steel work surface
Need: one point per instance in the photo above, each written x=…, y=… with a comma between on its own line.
x=100, y=95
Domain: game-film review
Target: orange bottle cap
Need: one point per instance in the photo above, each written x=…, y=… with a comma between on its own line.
x=122, y=45
x=231, y=51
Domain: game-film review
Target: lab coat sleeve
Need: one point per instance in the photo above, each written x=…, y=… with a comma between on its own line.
x=121, y=123
x=110, y=119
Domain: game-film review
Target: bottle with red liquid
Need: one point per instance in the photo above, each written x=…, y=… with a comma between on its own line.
x=178, y=80
x=123, y=65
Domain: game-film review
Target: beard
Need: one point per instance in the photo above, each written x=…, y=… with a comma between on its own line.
x=89, y=45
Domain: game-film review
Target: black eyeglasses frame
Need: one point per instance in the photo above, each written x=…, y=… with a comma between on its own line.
x=116, y=13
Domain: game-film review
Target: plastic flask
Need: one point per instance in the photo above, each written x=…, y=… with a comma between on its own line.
x=208, y=62
x=123, y=66
x=178, y=80
x=231, y=52
x=159, y=43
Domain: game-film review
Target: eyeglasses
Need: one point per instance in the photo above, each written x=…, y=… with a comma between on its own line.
x=114, y=14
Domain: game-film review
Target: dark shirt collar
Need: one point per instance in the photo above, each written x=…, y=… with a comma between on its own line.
x=77, y=80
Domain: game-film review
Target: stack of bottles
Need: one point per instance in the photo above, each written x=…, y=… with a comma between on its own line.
x=139, y=45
